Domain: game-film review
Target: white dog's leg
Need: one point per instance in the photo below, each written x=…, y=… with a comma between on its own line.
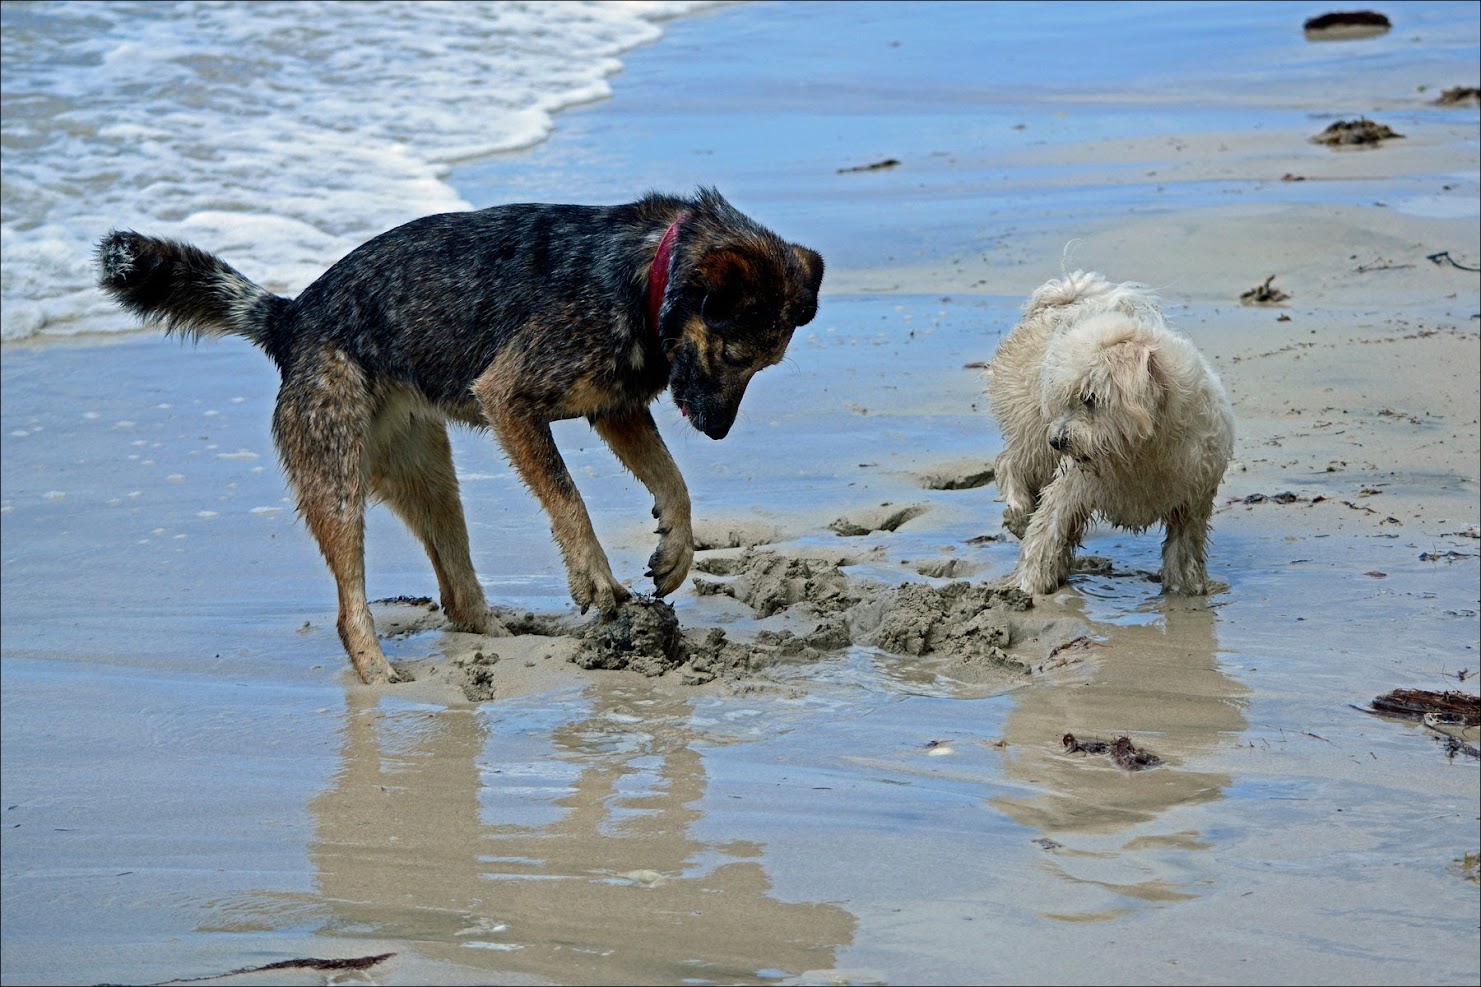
x=1017, y=494
x=1183, y=569
x=1053, y=532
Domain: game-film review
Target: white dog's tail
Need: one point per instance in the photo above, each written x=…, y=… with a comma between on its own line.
x=1130, y=297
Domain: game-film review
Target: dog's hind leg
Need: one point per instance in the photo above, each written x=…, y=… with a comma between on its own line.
x=321, y=425
x=1054, y=531
x=634, y=438
x=1184, y=570
x=411, y=470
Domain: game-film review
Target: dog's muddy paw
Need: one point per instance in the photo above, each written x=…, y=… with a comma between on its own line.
x=610, y=598
x=1016, y=522
x=1184, y=574
x=383, y=673
x=1202, y=587
x=1037, y=584
x=602, y=592
x=374, y=669
x=670, y=563
x=485, y=623
x=495, y=629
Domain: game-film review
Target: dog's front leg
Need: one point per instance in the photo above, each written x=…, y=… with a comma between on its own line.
x=532, y=450
x=1055, y=529
x=634, y=438
x=1017, y=492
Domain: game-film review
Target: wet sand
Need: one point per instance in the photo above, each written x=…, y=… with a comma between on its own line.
x=855, y=772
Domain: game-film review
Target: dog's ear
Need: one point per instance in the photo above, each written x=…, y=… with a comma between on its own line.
x=1132, y=364
x=1136, y=373
x=811, y=263
x=1162, y=381
x=725, y=276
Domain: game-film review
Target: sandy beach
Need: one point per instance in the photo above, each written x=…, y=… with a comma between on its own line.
x=855, y=772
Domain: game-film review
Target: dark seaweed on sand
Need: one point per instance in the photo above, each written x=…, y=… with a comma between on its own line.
x=1126, y=754
x=1265, y=293
x=1347, y=18
x=1448, y=714
x=1459, y=96
x=1414, y=704
x=1359, y=132
x=308, y=963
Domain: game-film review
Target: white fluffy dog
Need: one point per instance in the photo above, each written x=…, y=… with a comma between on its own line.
x=1106, y=412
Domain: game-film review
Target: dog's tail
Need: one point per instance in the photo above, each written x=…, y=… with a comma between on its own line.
x=192, y=292
x=1091, y=288
x=1068, y=289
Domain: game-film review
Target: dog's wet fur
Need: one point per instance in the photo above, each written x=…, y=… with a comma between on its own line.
x=508, y=318
x=1106, y=412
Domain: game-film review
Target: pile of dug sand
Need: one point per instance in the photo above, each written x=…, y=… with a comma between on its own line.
x=978, y=633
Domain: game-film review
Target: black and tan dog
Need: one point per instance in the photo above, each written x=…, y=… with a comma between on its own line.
x=507, y=318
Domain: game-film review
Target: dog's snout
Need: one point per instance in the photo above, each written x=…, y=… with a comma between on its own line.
x=714, y=418
x=1059, y=440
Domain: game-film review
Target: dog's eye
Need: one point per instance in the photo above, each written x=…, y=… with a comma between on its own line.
x=733, y=357
x=1089, y=401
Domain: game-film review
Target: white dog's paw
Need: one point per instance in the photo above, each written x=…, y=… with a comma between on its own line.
x=1183, y=570
x=1186, y=585
x=1037, y=581
x=1016, y=521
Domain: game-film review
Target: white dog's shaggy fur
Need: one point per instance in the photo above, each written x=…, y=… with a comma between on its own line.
x=1106, y=412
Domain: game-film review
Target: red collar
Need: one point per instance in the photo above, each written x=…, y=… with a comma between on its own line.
x=658, y=272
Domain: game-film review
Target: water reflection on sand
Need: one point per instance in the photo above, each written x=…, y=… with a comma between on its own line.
x=430, y=837
x=1159, y=683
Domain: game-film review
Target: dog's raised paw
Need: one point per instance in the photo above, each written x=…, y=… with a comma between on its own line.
x=670, y=563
